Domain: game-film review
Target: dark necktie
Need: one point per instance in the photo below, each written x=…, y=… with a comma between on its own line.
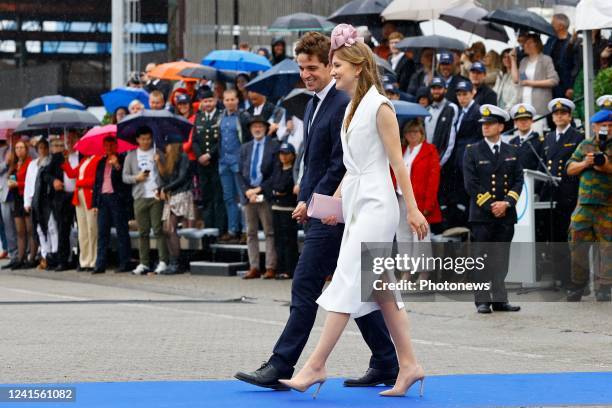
x=496, y=152
x=254, y=163
x=559, y=136
x=315, y=103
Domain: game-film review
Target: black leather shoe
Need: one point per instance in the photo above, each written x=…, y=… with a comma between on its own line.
x=266, y=376
x=62, y=267
x=483, y=308
x=98, y=270
x=9, y=265
x=374, y=377
x=505, y=307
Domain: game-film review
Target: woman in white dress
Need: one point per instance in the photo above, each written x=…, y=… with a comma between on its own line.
x=370, y=142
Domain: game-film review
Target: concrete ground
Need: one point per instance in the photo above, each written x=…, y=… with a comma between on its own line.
x=73, y=327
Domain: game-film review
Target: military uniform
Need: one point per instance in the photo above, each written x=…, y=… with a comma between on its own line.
x=559, y=145
x=591, y=221
x=491, y=177
x=527, y=156
x=206, y=140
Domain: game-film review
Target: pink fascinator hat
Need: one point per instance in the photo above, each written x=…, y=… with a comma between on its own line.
x=343, y=35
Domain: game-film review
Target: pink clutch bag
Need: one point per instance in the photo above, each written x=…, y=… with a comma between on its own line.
x=322, y=206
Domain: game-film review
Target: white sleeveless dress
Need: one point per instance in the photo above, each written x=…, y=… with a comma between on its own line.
x=369, y=206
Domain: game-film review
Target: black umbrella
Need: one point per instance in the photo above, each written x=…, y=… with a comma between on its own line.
x=295, y=102
x=25, y=128
x=162, y=122
x=431, y=41
x=468, y=17
x=521, y=19
x=63, y=118
x=278, y=80
x=384, y=67
x=210, y=73
x=301, y=22
x=360, y=12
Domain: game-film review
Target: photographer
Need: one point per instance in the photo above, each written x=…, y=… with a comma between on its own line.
x=592, y=219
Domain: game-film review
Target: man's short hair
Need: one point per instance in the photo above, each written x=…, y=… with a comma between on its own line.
x=563, y=19
x=157, y=94
x=396, y=35
x=314, y=44
x=231, y=90
x=143, y=130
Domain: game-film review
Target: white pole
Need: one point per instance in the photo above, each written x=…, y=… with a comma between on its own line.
x=117, y=45
x=587, y=63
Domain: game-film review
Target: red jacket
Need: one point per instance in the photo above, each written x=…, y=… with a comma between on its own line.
x=86, y=183
x=425, y=179
x=21, y=175
x=188, y=145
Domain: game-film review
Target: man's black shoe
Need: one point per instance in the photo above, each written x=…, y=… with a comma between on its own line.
x=374, y=377
x=124, y=268
x=98, y=270
x=266, y=376
x=505, y=307
x=10, y=265
x=483, y=308
x=62, y=267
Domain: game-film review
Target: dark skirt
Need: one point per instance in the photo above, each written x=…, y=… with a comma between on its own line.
x=18, y=210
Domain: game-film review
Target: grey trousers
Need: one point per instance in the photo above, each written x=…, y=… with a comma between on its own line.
x=253, y=213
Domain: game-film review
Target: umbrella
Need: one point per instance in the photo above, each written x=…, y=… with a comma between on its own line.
x=7, y=126
x=301, y=22
x=409, y=110
x=170, y=70
x=121, y=98
x=92, y=142
x=295, y=102
x=432, y=41
x=518, y=19
x=50, y=102
x=206, y=72
x=384, y=67
x=236, y=60
x=360, y=12
x=467, y=17
x=418, y=10
x=64, y=118
x=277, y=81
x=161, y=122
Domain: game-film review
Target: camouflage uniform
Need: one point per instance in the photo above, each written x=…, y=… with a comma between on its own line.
x=592, y=220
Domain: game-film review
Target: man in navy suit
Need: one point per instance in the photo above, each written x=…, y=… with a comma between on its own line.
x=258, y=158
x=323, y=171
x=467, y=131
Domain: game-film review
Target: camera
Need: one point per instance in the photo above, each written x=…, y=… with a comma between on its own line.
x=599, y=158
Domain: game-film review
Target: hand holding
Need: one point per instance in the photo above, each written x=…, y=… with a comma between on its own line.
x=417, y=223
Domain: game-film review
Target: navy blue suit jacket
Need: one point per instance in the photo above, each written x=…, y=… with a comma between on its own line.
x=268, y=161
x=323, y=166
x=469, y=132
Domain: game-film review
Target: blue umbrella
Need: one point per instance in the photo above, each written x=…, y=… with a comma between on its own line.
x=121, y=98
x=277, y=81
x=235, y=60
x=409, y=110
x=50, y=102
x=162, y=122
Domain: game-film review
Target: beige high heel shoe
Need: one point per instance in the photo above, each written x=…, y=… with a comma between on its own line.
x=303, y=386
x=402, y=385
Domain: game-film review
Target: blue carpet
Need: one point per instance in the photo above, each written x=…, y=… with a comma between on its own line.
x=481, y=390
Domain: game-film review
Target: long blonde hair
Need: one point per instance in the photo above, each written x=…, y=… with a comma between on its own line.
x=360, y=54
x=173, y=153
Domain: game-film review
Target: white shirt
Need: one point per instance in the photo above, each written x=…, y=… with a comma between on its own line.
x=409, y=157
x=395, y=59
x=321, y=95
x=558, y=132
x=530, y=74
x=145, y=161
x=30, y=183
x=70, y=183
x=257, y=109
x=492, y=145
